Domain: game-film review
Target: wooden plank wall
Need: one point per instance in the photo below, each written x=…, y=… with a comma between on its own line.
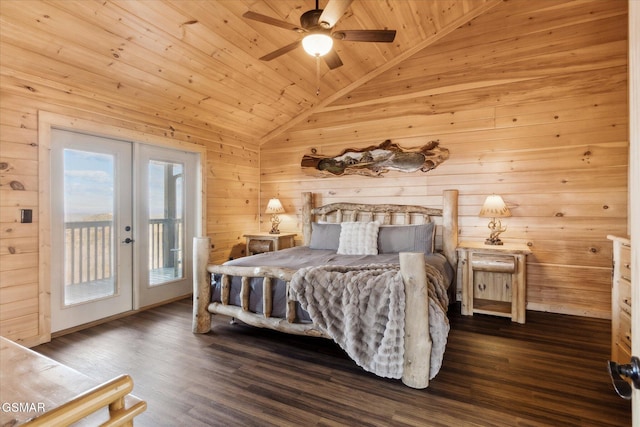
x=531, y=101
x=28, y=85
x=231, y=175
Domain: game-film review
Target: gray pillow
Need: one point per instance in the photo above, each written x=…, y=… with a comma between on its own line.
x=325, y=236
x=406, y=238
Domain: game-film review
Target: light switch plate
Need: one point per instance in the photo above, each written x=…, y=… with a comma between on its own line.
x=26, y=216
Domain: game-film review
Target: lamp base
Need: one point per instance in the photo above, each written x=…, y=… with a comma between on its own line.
x=275, y=224
x=493, y=242
x=496, y=228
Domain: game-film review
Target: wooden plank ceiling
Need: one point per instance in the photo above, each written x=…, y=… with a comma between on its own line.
x=195, y=64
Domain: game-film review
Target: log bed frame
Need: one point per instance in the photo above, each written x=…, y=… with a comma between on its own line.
x=417, y=340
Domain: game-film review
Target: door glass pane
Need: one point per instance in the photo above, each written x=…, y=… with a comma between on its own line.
x=88, y=232
x=166, y=200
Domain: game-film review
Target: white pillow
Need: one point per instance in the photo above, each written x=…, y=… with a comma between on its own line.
x=359, y=238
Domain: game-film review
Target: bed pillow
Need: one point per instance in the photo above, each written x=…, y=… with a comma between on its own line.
x=406, y=238
x=359, y=238
x=325, y=236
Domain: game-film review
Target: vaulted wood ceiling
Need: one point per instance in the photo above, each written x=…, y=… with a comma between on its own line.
x=195, y=63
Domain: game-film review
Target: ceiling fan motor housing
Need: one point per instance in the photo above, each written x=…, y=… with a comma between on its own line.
x=309, y=21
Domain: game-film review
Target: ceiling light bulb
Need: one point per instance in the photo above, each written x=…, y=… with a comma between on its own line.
x=317, y=44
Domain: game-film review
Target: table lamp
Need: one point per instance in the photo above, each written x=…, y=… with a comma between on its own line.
x=494, y=207
x=274, y=207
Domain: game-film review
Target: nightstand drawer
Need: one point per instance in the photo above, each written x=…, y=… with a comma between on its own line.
x=259, y=243
x=494, y=263
x=260, y=246
x=624, y=295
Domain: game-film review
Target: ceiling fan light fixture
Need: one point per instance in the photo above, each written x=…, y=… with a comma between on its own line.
x=317, y=44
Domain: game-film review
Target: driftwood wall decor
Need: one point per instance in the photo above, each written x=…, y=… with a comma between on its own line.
x=376, y=160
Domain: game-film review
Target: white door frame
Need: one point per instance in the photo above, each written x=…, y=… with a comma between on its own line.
x=47, y=121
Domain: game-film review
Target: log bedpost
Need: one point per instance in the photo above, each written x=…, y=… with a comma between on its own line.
x=267, y=296
x=417, y=341
x=307, y=217
x=450, y=236
x=450, y=226
x=201, y=323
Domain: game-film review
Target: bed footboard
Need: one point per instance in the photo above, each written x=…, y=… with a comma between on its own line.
x=203, y=307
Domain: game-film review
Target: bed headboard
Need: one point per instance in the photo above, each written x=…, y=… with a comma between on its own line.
x=445, y=217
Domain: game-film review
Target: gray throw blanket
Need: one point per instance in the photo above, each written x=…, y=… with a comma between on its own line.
x=362, y=309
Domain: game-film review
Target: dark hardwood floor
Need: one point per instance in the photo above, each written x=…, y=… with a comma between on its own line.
x=549, y=372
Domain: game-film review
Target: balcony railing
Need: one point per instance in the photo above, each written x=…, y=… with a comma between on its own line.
x=165, y=236
x=89, y=250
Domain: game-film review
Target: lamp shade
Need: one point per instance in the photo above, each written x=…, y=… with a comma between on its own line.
x=317, y=44
x=494, y=207
x=274, y=207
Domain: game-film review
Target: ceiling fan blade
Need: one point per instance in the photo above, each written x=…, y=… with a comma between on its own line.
x=332, y=59
x=333, y=12
x=376, y=36
x=281, y=51
x=271, y=21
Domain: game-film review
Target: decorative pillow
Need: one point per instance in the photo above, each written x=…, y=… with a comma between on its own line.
x=359, y=238
x=325, y=236
x=406, y=238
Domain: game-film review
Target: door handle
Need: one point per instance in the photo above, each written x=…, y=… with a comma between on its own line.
x=631, y=371
x=127, y=240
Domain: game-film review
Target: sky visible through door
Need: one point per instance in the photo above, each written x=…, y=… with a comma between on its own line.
x=89, y=183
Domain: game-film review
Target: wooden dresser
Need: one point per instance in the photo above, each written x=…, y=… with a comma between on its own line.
x=621, y=300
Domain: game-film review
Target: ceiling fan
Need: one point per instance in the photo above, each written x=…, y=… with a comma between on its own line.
x=316, y=24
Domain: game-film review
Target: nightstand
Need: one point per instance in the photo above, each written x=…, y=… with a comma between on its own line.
x=266, y=242
x=494, y=279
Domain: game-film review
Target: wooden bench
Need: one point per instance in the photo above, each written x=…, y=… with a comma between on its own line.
x=38, y=391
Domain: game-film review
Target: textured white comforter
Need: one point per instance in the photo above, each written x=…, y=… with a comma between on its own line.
x=362, y=309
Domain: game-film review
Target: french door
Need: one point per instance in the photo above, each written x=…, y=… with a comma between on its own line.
x=91, y=218
x=166, y=209
x=122, y=214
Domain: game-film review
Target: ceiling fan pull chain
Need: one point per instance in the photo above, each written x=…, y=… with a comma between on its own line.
x=318, y=75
